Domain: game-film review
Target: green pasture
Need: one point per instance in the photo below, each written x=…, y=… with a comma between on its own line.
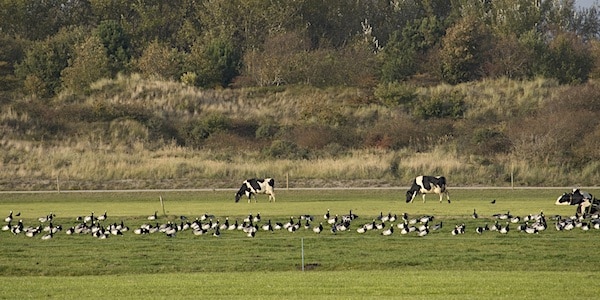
x=551, y=264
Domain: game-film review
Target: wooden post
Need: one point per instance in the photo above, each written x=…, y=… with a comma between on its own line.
x=162, y=204
x=57, y=184
x=512, y=176
x=287, y=181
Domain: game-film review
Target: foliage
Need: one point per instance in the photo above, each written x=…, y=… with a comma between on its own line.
x=161, y=61
x=194, y=132
x=440, y=105
x=89, y=64
x=568, y=60
x=117, y=43
x=216, y=63
x=44, y=61
x=284, y=149
x=394, y=93
x=461, y=54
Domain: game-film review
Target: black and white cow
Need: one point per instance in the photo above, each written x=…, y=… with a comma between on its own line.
x=253, y=186
x=427, y=185
x=573, y=198
x=585, y=201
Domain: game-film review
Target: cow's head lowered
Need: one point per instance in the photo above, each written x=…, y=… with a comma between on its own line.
x=253, y=186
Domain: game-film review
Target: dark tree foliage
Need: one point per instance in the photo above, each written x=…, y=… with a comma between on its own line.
x=117, y=43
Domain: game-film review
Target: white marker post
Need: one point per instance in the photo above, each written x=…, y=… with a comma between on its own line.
x=302, y=242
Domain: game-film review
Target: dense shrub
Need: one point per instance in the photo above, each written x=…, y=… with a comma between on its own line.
x=284, y=149
x=440, y=105
x=488, y=141
x=391, y=134
x=395, y=93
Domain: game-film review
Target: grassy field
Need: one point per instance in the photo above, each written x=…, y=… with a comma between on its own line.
x=343, y=265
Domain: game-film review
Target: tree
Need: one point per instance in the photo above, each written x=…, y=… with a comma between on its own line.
x=160, y=60
x=90, y=63
x=216, y=63
x=463, y=49
x=398, y=60
x=510, y=58
x=514, y=17
x=11, y=51
x=44, y=61
x=568, y=59
x=117, y=43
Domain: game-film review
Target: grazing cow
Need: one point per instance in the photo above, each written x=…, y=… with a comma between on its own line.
x=251, y=187
x=427, y=185
x=584, y=201
x=573, y=198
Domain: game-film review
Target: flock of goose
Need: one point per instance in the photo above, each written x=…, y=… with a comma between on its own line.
x=385, y=224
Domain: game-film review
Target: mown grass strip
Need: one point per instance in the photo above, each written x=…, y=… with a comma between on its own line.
x=404, y=283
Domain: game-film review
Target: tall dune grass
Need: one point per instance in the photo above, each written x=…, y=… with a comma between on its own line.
x=122, y=152
x=77, y=167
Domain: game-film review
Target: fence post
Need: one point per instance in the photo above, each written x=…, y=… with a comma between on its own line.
x=302, y=242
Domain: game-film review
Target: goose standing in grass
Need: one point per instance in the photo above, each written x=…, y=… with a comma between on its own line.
x=459, y=229
x=154, y=216
x=248, y=218
x=388, y=231
x=437, y=226
x=89, y=218
x=326, y=215
x=9, y=218
x=393, y=218
x=256, y=218
x=199, y=231
x=475, y=215
x=233, y=226
x=479, y=229
x=16, y=229
x=383, y=218
x=217, y=232
x=318, y=229
x=268, y=226
x=46, y=218
x=102, y=217
x=405, y=229
x=288, y=223
x=405, y=217
x=505, y=229
x=423, y=232
x=7, y=227
x=332, y=220
x=306, y=224
x=49, y=235
x=531, y=230
x=361, y=229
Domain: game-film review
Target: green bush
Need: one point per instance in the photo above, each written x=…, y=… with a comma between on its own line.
x=487, y=141
x=283, y=149
x=395, y=93
x=441, y=105
x=266, y=130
